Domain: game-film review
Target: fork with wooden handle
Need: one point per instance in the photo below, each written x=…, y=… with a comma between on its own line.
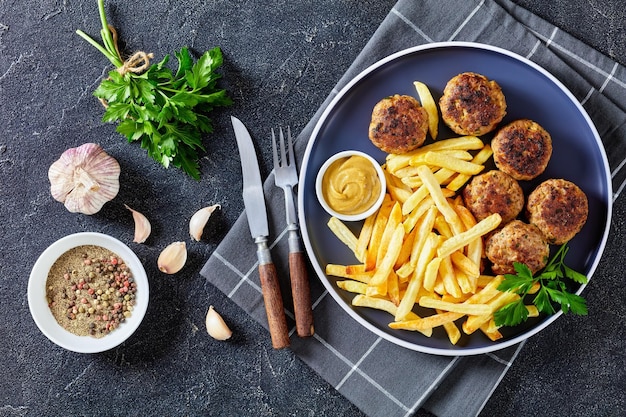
x=286, y=176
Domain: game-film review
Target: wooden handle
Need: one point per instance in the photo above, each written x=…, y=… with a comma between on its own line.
x=301, y=294
x=274, y=306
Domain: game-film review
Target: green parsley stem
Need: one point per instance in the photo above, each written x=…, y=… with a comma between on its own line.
x=108, y=47
x=111, y=57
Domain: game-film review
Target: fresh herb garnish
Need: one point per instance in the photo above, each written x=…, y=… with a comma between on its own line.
x=165, y=111
x=552, y=289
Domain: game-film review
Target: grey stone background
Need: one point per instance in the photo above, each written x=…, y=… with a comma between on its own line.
x=281, y=60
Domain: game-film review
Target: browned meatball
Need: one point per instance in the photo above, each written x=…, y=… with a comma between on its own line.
x=494, y=192
x=559, y=209
x=522, y=149
x=472, y=105
x=399, y=124
x=517, y=242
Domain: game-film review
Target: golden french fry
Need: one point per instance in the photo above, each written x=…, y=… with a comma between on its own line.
x=414, y=217
x=428, y=103
x=427, y=158
x=443, y=176
x=532, y=311
x=474, y=322
x=395, y=218
x=454, y=334
x=352, y=286
x=430, y=274
x=405, y=271
x=463, y=142
x=423, y=230
x=480, y=158
x=384, y=305
x=464, y=297
x=357, y=269
x=398, y=190
x=407, y=247
x=393, y=288
x=484, y=280
x=421, y=192
x=475, y=248
x=463, y=308
x=425, y=323
x=344, y=234
x=408, y=171
x=439, y=287
x=488, y=291
x=440, y=200
x=378, y=283
x=450, y=283
x=492, y=333
x=483, y=296
x=481, y=228
x=414, y=200
x=425, y=256
x=465, y=264
x=442, y=226
x=395, y=162
x=461, y=166
x=535, y=287
x=379, y=304
x=365, y=236
x=465, y=283
x=377, y=232
x=344, y=271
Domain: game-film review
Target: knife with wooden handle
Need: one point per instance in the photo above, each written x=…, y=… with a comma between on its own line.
x=254, y=202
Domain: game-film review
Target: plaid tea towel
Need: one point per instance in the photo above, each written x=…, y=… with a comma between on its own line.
x=368, y=370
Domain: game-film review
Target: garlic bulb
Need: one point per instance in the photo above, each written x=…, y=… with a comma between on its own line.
x=215, y=325
x=84, y=178
x=173, y=258
x=199, y=220
x=142, y=226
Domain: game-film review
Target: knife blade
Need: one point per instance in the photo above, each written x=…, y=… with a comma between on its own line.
x=254, y=202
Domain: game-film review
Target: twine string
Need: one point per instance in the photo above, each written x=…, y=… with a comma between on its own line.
x=137, y=63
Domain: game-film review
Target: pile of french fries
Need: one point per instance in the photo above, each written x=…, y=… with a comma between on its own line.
x=423, y=246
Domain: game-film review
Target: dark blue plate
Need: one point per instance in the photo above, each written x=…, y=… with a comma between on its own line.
x=531, y=92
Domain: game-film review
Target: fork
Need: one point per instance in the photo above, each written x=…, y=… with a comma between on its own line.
x=285, y=177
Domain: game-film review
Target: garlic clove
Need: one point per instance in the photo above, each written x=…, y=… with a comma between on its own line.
x=142, y=226
x=199, y=220
x=173, y=258
x=84, y=178
x=215, y=325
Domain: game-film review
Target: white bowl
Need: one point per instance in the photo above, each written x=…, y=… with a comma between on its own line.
x=43, y=315
x=350, y=217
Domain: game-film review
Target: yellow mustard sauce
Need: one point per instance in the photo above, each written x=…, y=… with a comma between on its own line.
x=351, y=185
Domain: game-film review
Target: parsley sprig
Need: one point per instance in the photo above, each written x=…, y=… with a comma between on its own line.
x=165, y=111
x=552, y=290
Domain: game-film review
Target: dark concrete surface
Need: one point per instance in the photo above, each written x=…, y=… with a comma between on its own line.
x=281, y=60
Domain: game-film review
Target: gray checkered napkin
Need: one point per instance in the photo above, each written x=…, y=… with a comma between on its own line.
x=365, y=368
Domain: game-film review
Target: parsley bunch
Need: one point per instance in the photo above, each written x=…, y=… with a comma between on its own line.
x=552, y=289
x=165, y=111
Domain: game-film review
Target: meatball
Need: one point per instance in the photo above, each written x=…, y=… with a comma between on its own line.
x=494, y=192
x=472, y=105
x=399, y=124
x=522, y=149
x=559, y=208
x=517, y=242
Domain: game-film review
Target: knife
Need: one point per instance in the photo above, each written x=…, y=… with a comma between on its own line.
x=254, y=202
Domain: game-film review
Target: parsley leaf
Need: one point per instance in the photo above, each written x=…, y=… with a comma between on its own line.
x=166, y=112
x=552, y=290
